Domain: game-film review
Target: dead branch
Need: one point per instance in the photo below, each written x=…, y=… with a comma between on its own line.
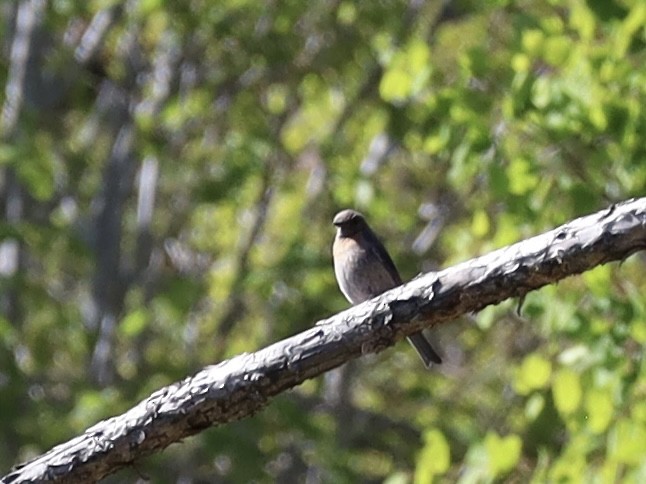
x=240, y=386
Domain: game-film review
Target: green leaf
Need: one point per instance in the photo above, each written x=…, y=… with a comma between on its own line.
x=434, y=459
x=276, y=98
x=134, y=323
x=532, y=41
x=503, y=452
x=598, y=280
x=534, y=406
x=407, y=73
x=633, y=23
x=599, y=408
x=627, y=442
x=480, y=223
x=566, y=389
x=521, y=176
x=534, y=373
x=583, y=20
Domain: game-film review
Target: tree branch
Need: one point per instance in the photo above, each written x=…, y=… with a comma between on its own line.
x=239, y=387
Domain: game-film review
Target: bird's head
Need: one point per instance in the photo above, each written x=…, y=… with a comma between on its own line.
x=349, y=222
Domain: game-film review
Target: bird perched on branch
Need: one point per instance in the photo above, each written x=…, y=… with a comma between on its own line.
x=364, y=270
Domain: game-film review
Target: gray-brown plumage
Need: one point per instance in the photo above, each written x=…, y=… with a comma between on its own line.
x=364, y=270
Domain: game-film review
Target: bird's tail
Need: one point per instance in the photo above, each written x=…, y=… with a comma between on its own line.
x=424, y=349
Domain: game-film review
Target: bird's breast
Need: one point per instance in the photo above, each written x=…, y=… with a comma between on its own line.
x=360, y=275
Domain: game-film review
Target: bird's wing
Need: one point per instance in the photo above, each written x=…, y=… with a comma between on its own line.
x=378, y=249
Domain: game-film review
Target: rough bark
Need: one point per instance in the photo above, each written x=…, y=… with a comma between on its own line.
x=240, y=386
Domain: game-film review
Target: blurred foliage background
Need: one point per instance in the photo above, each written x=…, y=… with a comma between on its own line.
x=168, y=175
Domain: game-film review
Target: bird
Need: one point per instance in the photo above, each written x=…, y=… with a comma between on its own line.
x=363, y=270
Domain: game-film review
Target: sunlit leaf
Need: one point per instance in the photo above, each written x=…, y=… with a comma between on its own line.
x=599, y=409
x=566, y=388
x=434, y=459
x=503, y=452
x=534, y=373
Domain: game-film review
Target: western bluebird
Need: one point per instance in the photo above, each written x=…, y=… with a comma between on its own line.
x=364, y=270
